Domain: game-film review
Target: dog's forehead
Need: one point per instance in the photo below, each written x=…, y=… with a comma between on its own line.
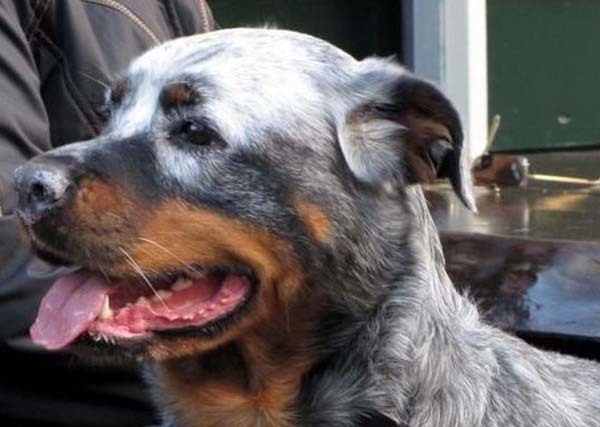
x=241, y=52
x=247, y=77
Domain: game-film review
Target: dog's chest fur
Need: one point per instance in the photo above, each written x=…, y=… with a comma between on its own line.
x=228, y=398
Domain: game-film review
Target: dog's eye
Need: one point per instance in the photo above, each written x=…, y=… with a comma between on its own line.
x=195, y=133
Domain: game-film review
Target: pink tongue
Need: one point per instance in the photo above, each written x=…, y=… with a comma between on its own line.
x=68, y=309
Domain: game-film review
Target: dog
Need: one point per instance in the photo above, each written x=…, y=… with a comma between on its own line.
x=250, y=226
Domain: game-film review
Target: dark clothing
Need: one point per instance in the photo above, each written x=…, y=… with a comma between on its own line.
x=57, y=58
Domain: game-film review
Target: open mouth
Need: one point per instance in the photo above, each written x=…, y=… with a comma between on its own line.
x=83, y=303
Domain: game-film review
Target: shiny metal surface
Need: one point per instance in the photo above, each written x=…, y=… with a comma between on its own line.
x=533, y=286
x=542, y=210
x=531, y=258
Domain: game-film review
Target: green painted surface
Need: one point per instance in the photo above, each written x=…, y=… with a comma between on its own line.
x=544, y=72
x=360, y=27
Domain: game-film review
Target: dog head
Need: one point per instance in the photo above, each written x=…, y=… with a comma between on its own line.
x=233, y=172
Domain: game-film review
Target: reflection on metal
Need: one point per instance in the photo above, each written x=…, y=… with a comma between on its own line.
x=530, y=286
x=531, y=258
x=548, y=210
x=565, y=179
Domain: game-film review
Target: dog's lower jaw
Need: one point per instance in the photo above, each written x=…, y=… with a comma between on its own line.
x=253, y=381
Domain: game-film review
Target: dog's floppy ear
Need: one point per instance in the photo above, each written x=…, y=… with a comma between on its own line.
x=404, y=131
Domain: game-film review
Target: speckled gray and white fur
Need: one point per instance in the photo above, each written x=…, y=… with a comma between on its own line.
x=397, y=337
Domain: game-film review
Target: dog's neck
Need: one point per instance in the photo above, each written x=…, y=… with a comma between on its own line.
x=406, y=351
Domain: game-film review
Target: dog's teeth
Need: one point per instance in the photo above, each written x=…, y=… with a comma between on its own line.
x=161, y=294
x=224, y=300
x=211, y=307
x=181, y=284
x=141, y=301
x=106, y=312
x=164, y=294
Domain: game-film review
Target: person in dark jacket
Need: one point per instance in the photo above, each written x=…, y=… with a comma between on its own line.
x=57, y=58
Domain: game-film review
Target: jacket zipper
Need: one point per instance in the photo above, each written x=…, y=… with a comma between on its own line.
x=204, y=16
x=112, y=4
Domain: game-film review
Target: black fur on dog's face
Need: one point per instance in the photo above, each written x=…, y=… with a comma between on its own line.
x=248, y=158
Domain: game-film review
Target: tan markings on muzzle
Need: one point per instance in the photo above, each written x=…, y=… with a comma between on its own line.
x=280, y=321
x=98, y=196
x=104, y=213
x=190, y=235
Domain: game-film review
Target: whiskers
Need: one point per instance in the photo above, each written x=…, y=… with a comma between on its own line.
x=185, y=265
x=140, y=272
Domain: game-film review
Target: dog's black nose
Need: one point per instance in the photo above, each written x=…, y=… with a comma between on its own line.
x=40, y=188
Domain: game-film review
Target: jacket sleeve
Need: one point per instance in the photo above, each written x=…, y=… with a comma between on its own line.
x=24, y=129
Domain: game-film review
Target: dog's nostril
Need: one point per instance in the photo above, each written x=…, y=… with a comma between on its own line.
x=38, y=193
